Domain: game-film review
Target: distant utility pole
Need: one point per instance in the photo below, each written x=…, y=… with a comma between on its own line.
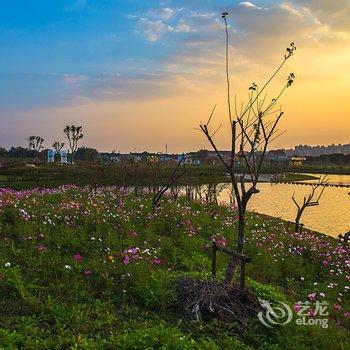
x=166, y=148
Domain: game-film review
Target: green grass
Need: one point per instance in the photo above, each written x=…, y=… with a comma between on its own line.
x=96, y=271
x=295, y=177
x=130, y=174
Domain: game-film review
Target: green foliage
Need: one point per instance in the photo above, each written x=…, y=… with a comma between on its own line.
x=9, y=216
x=156, y=290
x=85, y=270
x=89, y=171
x=265, y=291
x=157, y=337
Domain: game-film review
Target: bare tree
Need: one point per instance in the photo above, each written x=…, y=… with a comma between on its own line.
x=253, y=127
x=35, y=143
x=311, y=200
x=57, y=145
x=73, y=134
x=172, y=179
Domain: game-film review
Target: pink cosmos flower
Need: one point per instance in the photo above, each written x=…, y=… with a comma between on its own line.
x=312, y=296
x=157, y=261
x=126, y=259
x=337, y=306
x=310, y=312
x=297, y=307
x=78, y=257
x=87, y=273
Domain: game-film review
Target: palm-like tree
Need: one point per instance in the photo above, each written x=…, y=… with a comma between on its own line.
x=35, y=144
x=73, y=134
x=57, y=145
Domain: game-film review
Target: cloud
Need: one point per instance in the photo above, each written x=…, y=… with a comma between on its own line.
x=204, y=15
x=189, y=76
x=73, y=79
x=151, y=30
x=183, y=27
x=334, y=14
x=161, y=13
x=249, y=4
x=290, y=9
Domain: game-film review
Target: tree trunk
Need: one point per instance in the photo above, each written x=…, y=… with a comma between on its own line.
x=240, y=242
x=297, y=220
x=240, y=236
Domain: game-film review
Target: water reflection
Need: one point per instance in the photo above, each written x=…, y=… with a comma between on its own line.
x=332, y=216
x=334, y=179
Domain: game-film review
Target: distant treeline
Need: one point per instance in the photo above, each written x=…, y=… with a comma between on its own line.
x=87, y=154
x=329, y=159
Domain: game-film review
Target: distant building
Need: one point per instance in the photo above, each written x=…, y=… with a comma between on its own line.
x=316, y=151
x=62, y=153
x=64, y=156
x=51, y=155
x=297, y=161
x=152, y=159
x=111, y=157
x=277, y=156
x=166, y=158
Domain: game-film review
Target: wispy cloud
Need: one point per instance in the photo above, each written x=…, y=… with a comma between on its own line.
x=151, y=30
x=164, y=13
x=159, y=22
x=249, y=4
x=334, y=14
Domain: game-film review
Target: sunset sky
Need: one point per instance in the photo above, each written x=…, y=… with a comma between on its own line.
x=141, y=74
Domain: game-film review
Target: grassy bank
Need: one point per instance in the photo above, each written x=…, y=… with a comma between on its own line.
x=82, y=270
x=295, y=177
x=53, y=175
x=310, y=169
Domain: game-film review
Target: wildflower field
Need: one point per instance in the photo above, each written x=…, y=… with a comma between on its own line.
x=96, y=269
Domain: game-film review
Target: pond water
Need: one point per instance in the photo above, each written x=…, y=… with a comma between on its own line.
x=334, y=179
x=331, y=216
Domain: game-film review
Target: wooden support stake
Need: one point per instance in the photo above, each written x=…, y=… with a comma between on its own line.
x=242, y=279
x=213, y=259
x=243, y=260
